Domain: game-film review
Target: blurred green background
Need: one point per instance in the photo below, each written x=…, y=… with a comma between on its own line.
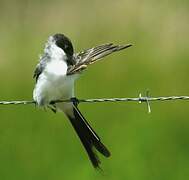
x=35, y=144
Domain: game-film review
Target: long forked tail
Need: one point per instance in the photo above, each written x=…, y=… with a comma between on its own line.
x=88, y=137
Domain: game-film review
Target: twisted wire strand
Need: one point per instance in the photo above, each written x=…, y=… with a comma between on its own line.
x=98, y=100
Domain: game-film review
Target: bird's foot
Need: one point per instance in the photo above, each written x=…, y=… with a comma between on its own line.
x=75, y=101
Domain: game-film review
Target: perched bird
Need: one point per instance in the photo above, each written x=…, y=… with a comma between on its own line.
x=55, y=75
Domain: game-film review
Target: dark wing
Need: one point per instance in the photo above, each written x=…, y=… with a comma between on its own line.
x=38, y=71
x=40, y=66
x=89, y=56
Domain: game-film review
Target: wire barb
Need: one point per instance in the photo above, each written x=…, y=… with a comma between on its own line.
x=147, y=101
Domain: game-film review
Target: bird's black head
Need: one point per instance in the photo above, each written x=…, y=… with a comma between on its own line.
x=64, y=43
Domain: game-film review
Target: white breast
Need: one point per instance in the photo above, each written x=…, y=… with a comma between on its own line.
x=56, y=68
x=53, y=83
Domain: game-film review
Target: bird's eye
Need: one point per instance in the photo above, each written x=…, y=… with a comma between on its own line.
x=66, y=46
x=68, y=49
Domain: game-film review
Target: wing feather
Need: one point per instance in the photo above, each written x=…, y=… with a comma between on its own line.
x=89, y=56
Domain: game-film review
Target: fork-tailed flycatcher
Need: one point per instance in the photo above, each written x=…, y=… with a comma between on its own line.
x=55, y=75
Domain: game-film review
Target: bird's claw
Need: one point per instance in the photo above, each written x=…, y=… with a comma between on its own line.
x=75, y=101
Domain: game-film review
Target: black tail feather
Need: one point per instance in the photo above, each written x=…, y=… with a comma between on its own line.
x=88, y=137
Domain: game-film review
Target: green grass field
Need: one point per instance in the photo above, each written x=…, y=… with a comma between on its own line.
x=41, y=145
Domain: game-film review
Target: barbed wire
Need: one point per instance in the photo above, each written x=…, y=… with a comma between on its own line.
x=139, y=99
